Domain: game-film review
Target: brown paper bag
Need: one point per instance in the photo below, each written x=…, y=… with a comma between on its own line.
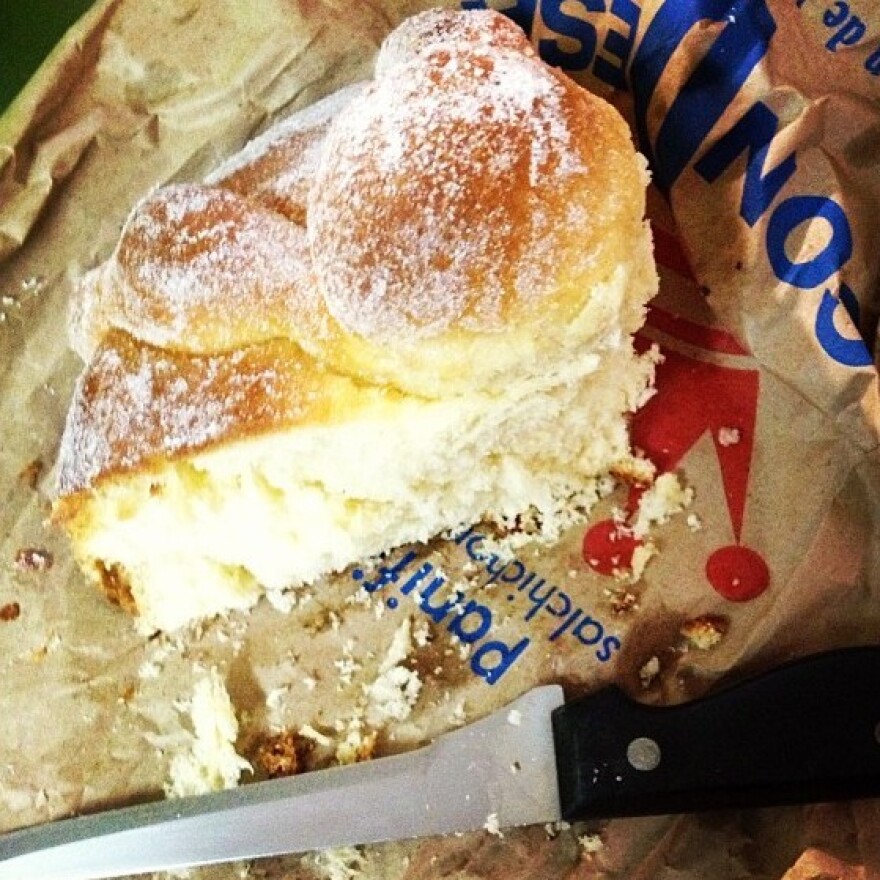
x=760, y=121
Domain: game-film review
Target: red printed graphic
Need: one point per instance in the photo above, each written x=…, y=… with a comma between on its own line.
x=694, y=396
x=609, y=546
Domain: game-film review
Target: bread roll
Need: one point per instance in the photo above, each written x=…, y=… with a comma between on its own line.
x=476, y=218
x=279, y=385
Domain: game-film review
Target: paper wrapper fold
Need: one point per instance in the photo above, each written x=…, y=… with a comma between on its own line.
x=762, y=126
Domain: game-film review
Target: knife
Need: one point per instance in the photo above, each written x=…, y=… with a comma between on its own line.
x=807, y=731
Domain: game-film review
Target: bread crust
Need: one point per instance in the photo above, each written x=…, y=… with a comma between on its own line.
x=464, y=214
x=465, y=210
x=420, y=34
x=200, y=269
x=440, y=250
x=276, y=169
x=137, y=407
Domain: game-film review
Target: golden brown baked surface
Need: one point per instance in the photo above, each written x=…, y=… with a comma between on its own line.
x=462, y=209
x=136, y=404
x=200, y=269
x=329, y=347
x=469, y=189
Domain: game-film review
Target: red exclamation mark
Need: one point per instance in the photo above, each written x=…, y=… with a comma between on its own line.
x=694, y=396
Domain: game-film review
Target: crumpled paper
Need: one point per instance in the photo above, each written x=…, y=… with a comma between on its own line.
x=766, y=407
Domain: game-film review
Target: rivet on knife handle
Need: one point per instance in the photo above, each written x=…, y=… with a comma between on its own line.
x=805, y=732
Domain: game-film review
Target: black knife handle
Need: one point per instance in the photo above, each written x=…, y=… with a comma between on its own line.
x=805, y=732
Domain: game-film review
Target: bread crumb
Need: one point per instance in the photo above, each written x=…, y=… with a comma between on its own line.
x=211, y=763
x=422, y=634
x=640, y=558
x=729, y=436
x=590, y=843
x=347, y=667
x=282, y=754
x=662, y=500
x=544, y=526
x=339, y=863
x=694, y=523
x=514, y=717
x=649, y=671
x=34, y=559
x=9, y=612
x=705, y=632
x=275, y=697
x=30, y=474
x=635, y=470
x=357, y=745
x=392, y=695
x=622, y=601
x=553, y=829
x=491, y=825
x=396, y=689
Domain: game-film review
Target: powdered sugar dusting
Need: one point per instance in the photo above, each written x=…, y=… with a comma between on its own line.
x=202, y=270
x=434, y=193
x=135, y=402
x=447, y=194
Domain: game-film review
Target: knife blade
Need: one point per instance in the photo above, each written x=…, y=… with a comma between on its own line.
x=806, y=731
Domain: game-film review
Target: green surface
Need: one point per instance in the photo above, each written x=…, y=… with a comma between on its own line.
x=29, y=29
